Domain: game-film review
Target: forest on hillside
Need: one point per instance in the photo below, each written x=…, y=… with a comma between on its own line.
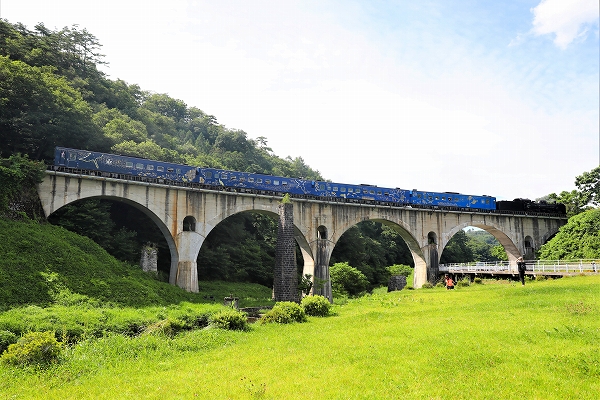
x=52, y=93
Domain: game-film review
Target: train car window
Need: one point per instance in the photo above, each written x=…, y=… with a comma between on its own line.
x=128, y=164
x=178, y=170
x=267, y=181
x=349, y=190
x=276, y=183
x=379, y=192
x=160, y=168
x=233, y=178
x=150, y=167
x=443, y=198
x=321, y=186
x=371, y=192
x=284, y=182
x=259, y=180
x=139, y=166
x=437, y=197
x=343, y=189
x=430, y=198
x=242, y=179
x=217, y=175
x=250, y=179
x=208, y=174
x=365, y=191
x=386, y=194
x=72, y=156
x=170, y=169
x=335, y=188
x=223, y=176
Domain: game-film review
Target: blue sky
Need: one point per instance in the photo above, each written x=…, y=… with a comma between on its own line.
x=479, y=97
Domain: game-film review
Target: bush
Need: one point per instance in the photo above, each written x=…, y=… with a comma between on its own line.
x=440, y=284
x=399, y=269
x=427, y=285
x=316, y=306
x=478, y=281
x=347, y=280
x=284, y=312
x=39, y=348
x=167, y=327
x=6, y=338
x=230, y=319
x=464, y=282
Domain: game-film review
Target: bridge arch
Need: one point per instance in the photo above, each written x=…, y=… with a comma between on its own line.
x=504, y=239
x=140, y=207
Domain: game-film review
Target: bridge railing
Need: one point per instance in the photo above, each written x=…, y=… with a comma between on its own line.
x=534, y=266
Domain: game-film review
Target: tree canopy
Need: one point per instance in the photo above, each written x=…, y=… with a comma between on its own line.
x=578, y=239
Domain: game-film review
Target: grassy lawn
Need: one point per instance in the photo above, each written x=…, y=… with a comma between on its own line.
x=491, y=341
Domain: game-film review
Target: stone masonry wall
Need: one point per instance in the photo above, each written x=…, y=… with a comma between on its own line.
x=285, y=277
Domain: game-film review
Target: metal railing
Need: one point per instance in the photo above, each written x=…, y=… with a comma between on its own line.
x=534, y=266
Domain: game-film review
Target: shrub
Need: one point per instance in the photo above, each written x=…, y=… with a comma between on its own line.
x=541, y=277
x=440, y=284
x=399, y=269
x=33, y=348
x=230, y=319
x=478, y=281
x=316, y=306
x=464, y=282
x=284, y=312
x=167, y=327
x=427, y=285
x=6, y=338
x=347, y=280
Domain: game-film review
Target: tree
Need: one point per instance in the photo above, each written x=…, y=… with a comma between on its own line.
x=457, y=250
x=573, y=201
x=588, y=184
x=579, y=238
x=39, y=110
x=346, y=280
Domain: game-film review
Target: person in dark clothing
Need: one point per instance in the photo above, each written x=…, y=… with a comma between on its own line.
x=521, y=266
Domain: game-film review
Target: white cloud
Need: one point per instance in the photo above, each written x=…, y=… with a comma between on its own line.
x=567, y=19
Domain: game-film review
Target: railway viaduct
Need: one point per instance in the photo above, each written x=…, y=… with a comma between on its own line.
x=186, y=216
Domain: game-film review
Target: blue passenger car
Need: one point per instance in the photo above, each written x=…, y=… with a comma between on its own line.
x=113, y=165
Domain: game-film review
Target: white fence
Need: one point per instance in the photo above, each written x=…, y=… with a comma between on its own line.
x=533, y=266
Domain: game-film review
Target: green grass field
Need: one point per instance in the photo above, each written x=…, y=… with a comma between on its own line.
x=491, y=341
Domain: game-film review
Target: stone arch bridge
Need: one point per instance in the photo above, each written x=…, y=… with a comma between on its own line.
x=186, y=216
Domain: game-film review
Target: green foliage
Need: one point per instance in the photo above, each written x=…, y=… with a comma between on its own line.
x=168, y=327
x=230, y=319
x=457, y=250
x=39, y=348
x=478, y=281
x=284, y=312
x=427, y=285
x=578, y=239
x=574, y=201
x=464, y=282
x=588, y=184
x=316, y=306
x=6, y=338
x=473, y=245
x=18, y=178
x=286, y=199
x=347, y=280
x=400, y=269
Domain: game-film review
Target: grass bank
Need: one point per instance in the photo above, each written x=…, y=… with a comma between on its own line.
x=478, y=342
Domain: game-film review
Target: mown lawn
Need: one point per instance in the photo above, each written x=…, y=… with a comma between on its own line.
x=492, y=341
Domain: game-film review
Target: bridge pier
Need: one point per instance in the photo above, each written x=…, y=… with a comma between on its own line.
x=186, y=273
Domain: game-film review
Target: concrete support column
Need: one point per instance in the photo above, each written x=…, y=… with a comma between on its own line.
x=421, y=262
x=188, y=246
x=322, y=280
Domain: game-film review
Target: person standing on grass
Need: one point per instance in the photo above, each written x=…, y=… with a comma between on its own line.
x=449, y=282
x=521, y=267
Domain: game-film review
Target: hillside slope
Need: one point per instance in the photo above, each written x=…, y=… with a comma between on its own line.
x=42, y=264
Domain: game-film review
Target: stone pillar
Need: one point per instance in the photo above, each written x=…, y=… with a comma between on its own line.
x=149, y=259
x=285, y=277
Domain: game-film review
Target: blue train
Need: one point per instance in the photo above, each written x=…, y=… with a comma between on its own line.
x=118, y=166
